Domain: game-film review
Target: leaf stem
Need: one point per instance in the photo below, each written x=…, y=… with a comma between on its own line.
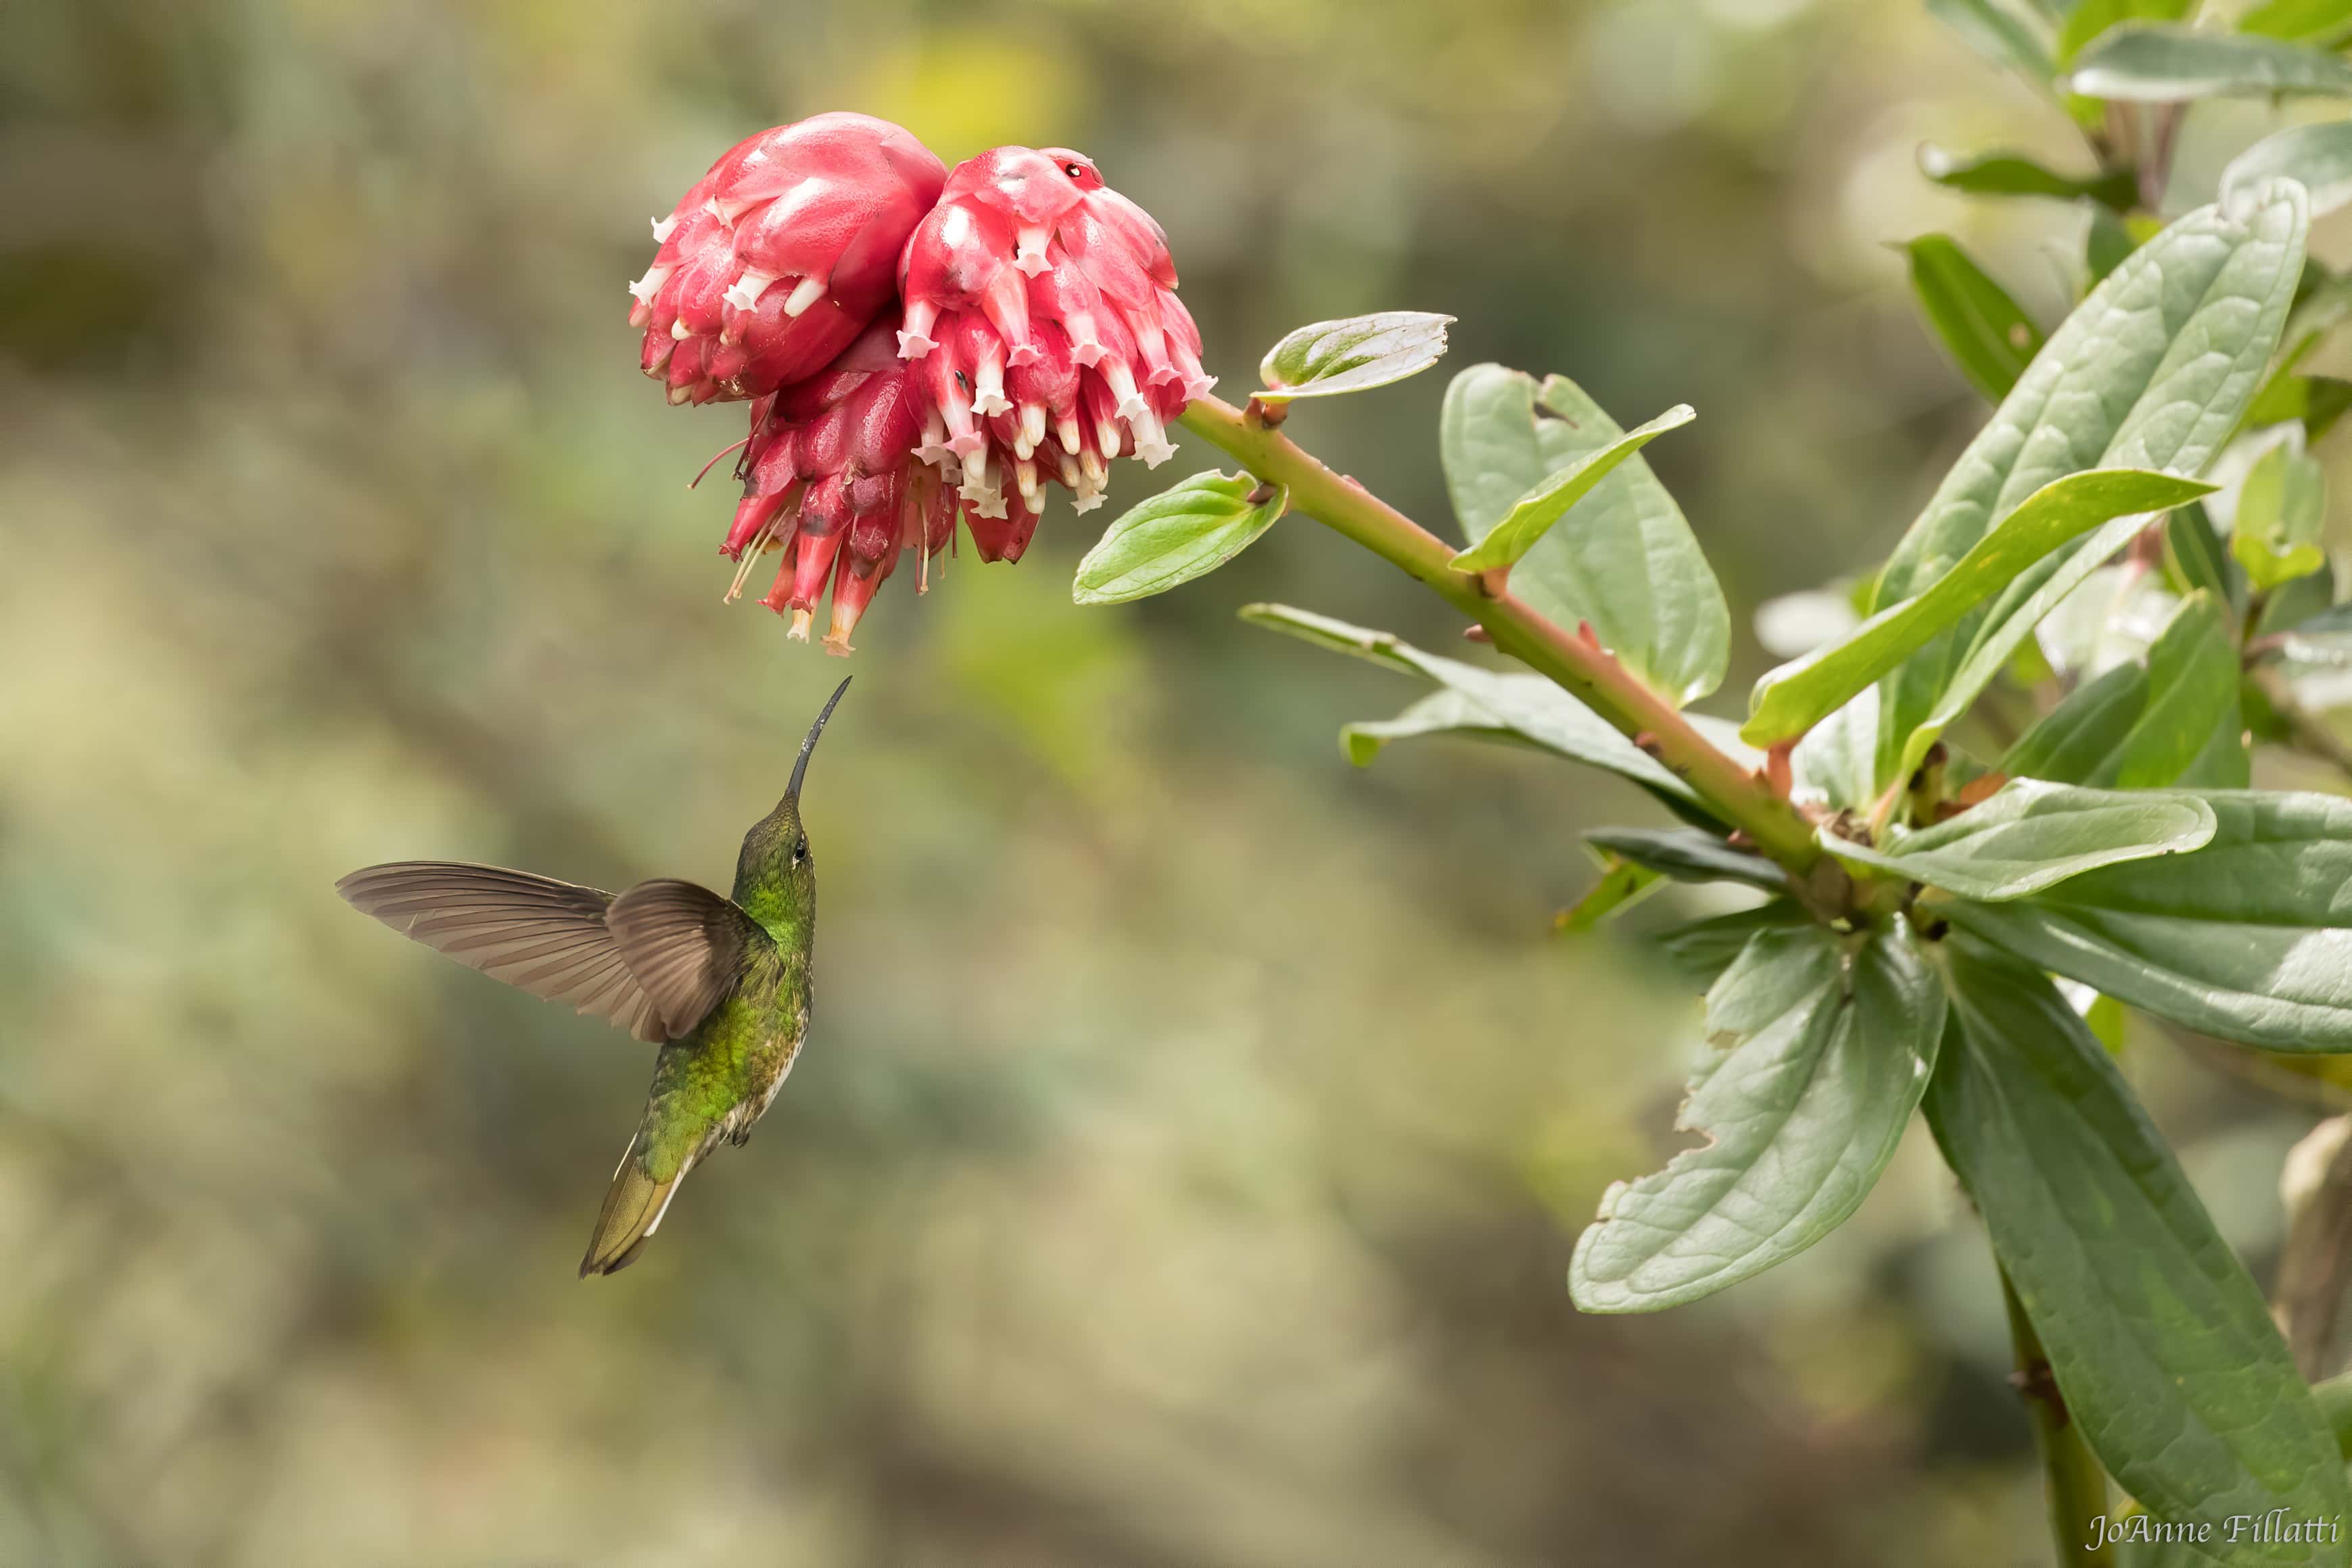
x=1740, y=797
x=2076, y=1485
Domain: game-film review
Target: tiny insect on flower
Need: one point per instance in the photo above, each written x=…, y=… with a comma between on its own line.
x=778, y=256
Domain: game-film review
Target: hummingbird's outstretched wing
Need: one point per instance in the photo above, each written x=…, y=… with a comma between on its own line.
x=541, y=935
x=687, y=947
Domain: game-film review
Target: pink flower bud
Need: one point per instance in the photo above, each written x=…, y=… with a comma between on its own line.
x=779, y=257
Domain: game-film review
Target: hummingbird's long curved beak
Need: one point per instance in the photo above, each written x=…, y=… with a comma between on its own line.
x=799, y=764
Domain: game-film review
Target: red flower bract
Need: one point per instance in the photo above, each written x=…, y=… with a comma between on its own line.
x=922, y=347
x=832, y=480
x=1042, y=307
x=780, y=255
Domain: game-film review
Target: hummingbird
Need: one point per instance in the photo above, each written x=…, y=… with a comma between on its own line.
x=721, y=984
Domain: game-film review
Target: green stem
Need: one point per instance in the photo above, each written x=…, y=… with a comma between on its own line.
x=2077, y=1486
x=1744, y=800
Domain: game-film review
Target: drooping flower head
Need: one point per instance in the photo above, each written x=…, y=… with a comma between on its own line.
x=1041, y=306
x=831, y=478
x=777, y=257
x=922, y=349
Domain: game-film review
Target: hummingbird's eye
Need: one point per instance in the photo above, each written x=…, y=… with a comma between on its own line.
x=800, y=850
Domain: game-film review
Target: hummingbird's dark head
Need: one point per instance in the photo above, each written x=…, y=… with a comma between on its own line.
x=776, y=851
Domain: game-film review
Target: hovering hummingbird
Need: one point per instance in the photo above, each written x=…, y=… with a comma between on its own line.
x=720, y=984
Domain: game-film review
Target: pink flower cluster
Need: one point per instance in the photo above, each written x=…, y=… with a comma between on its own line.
x=921, y=348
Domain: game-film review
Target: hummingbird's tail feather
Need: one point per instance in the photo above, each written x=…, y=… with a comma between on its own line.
x=634, y=1206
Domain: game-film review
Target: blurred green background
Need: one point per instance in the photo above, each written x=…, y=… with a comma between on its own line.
x=1186, y=1160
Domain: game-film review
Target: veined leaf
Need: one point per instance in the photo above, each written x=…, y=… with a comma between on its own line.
x=1793, y=698
x=1818, y=1065
x=2171, y=65
x=2028, y=835
x=1532, y=515
x=2160, y=1343
x=1628, y=566
x=1989, y=337
x=2319, y=157
x=1363, y=351
x=2249, y=939
x=2146, y=724
x=2152, y=371
x=1704, y=949
x=2014, y=174
x=1526, y=707
x=1688, y=854
x=1188, y=530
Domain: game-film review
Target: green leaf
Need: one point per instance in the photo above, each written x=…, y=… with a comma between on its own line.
x=2281, y=507
x=1188, y=530
x=2014, y=174
x=1688, y=854
x=1628, y=566
x=1989, y=337
x=2296, y=602
x=2249, y=939
x=2318, y=402
x=2321, y=22
x=1704, y=949
x=2144, y=724
x=2170, y=64
x=2319, y=157
x=2160, y=1343
x=2153, y=370
x=1526, y=707
x=2028, y=835
x=1623, y=884
x=1363, y=351
x=2192, y=555
x=2000, y=35
x=1533, y=515
x=1792, y=700
x=1816, y=1071
x=1833, y=764
x=2092, y=17
x=2109, y=244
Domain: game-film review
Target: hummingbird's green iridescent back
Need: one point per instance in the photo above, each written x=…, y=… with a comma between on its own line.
x=722, y=984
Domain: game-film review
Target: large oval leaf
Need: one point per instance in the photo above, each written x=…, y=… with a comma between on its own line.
x=1820, y=1057
x=1188, y=530
x=2153, y=370
x=1799, y=695
x=2161, y=1345
x=2249, y=939
x=1623, y=561
x=2028, y=836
